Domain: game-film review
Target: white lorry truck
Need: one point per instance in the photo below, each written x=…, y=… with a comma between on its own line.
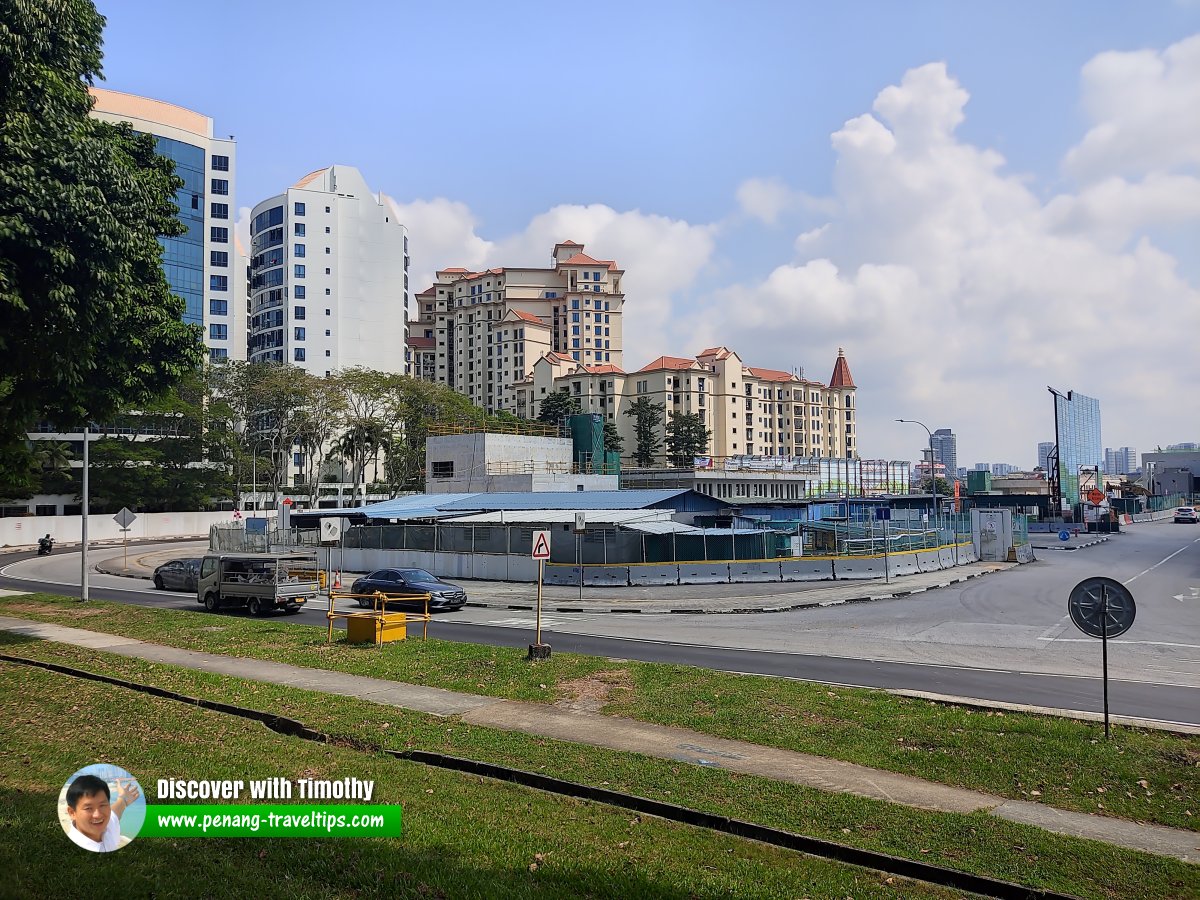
x=261, y=582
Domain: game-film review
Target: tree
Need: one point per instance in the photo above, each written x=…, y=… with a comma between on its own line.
x=53, y=456
x=82, y=205
x=687, y=438
x=647, y=416
x=613, y=442
x=943, y=487
x=557, y=406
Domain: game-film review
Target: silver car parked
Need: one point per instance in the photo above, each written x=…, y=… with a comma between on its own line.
x=177, y=575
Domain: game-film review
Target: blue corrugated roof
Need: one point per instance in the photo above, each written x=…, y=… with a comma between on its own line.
x=423, y=506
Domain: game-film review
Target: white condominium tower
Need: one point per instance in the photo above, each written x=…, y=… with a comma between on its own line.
x=482, y=332
x=201, y=265
x=329, y=276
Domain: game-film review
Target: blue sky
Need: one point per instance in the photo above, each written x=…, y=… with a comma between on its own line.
x=695, y=144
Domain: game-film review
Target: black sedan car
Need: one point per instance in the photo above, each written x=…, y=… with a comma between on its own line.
x=177, y=575
x=414, y=583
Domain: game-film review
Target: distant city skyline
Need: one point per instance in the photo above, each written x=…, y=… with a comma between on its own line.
x=904, y=173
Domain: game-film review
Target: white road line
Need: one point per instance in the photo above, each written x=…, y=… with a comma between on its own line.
x=1118, y=641
x=1159, y=563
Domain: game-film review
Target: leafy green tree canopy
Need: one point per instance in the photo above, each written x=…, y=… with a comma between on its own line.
x=647, y=416
x=687, y=438
x=557, y=406
x=87, y=322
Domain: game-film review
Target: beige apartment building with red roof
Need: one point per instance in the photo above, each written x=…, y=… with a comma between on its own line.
x=482, y=332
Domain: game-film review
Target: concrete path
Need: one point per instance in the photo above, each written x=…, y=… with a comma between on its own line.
x=584, y=727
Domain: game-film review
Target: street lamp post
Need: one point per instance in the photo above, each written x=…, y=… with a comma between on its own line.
x=932, y=471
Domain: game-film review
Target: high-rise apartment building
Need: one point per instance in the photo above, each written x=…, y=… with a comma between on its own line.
x=945, y=450
x=749, y=411
x=1077, y=430
x=1044, y=450
x=482, y=332
x=329, y=276
x=200, y=265
x=1120, y=462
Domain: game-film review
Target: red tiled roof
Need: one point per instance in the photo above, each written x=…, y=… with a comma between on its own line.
x=455, y=269
x=568, y=244
x=428, y=292
x=718, y=352
x=582, y=259
x=841, y=377
x=668, y=362
x=527, y=317
x=421, y=343
x=555, y=356
x=770, y=374
x=606, y=369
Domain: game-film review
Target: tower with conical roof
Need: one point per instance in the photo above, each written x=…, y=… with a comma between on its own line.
x=841, y=394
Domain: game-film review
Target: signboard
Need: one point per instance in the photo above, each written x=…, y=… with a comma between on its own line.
x=883, y=513
x=331, y=529
x=541, y=545
x=580, y=522
x=125, y=517
x=1095, y=495
x=256, y=525
x=287, y=501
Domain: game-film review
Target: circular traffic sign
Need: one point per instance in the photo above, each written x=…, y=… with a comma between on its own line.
x=1099, y=602
x=1064, y=535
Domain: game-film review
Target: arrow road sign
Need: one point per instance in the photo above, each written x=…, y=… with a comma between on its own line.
x=1195, y=595
x=125, y=517
x=541, y=545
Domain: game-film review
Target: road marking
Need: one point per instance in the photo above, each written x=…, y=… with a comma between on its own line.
x=1118, y=641
x=1195, y=594
x=1159, y=563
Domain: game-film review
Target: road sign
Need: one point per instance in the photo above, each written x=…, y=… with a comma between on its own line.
x=1096, y=496
x=883, y=513
x=1064, y=535
x=331, y=528
x=125, y=517
x=1101, y=607
x=287, y=501
x=580, y=522
x=541, y=545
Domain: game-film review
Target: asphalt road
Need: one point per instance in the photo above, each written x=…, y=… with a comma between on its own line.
x=1003, y=638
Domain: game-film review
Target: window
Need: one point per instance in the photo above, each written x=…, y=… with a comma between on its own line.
x=219, y=210
x=298, y=333
x=218, y=353
x=298, y=354
x=297, y=250
x=328, y=312
x=297, y=459
x=218, y=259
x=326, y=251
x=218, y=332
x=596, y=288
x=299, y=292
x=327, y=292
x=218, y=307
x=327, y=353
x=551, y=295
x=298, y=313
x=218, y=234
x=327, y=229
x=328, y=333
x=298, y=270
x=327, y=271
x=298, y=209
x=218, y=282
x=442, y=469
x=220, y=163
x=220, y=187
x=327, y=209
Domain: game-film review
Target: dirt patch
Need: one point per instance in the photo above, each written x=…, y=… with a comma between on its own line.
x=593, y=692
x=50, y=609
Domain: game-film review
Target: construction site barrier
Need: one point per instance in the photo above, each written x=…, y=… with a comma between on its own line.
x=556, y=573
x=902, y=564
x=817, y=568
x=601, y=576
x=946, y=557
x=752, y=571
x=848, y=568
x=704, y=573
x=653, y=574
x=928, y=561
x=376, y=625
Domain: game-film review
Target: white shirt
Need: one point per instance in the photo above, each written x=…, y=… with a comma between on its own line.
x=110, y=840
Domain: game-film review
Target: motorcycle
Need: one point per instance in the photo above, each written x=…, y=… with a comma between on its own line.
x=44, y=547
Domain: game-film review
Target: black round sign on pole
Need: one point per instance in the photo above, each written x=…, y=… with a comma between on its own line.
x=1101, y=607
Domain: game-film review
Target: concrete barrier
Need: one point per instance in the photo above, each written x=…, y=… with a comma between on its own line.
x=1024, y=553
x=16, y=531
x=606, y=576
x=704, y=573
x=649, y=575
x=966, y=553
x=902, y=564
x=850, y=568
x=946, y=557
x=560, y=574
x=928, y=561
x=758, y=570
x=807, y=569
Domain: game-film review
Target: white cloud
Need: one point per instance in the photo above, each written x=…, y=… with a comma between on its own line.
x=959, y=295
x=766, y=199
x=441, y=234
x=1145, y=106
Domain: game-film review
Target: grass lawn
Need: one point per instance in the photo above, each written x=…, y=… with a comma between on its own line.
x=1144, y=775
x=976, y=843
x=463, y=836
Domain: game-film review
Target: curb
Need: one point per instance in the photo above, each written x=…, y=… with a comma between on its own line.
x=1072, y=549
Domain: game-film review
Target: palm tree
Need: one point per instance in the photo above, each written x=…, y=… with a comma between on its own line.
x=54, y=456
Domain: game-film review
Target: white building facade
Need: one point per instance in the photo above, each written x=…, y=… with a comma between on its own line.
x=329, y=277
x=200, y=265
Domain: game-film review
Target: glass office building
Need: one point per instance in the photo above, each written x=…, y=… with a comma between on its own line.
x=1077, y=431
x=183, y=256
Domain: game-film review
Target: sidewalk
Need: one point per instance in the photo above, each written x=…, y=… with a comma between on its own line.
x=564, y=723
x=745, y=597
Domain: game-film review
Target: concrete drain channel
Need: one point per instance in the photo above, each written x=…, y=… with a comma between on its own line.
x=831, y=850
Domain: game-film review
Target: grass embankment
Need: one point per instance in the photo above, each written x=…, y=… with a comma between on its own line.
x=1144, y=775
x=463, y=836
x=975, y=843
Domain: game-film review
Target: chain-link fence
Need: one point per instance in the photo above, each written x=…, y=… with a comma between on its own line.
x=234, y=538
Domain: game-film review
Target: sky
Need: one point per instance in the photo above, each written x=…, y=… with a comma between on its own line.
x=973, y=201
